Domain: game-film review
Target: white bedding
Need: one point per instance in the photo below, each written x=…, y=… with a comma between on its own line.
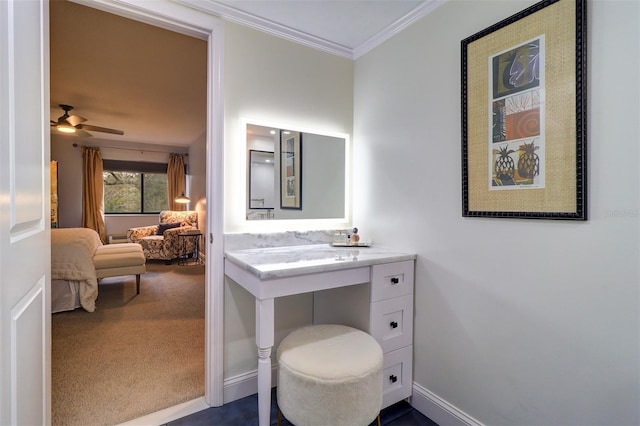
x=72, y=251
x=64, y=296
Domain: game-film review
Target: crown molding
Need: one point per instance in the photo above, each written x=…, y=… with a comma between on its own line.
x=231, y=14
x=167, y=15
x=396, y=27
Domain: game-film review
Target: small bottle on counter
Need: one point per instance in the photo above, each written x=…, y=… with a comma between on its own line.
x=339, y=237
x=355, y=238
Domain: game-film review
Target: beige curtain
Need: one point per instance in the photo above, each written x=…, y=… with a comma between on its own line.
x=176, y=181
x=93, y=192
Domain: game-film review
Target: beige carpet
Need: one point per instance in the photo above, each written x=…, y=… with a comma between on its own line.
x=135, y=354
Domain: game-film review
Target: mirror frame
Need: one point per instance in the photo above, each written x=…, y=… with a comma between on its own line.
x=283, y=225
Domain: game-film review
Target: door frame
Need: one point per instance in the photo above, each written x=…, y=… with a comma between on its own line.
x=184, y=18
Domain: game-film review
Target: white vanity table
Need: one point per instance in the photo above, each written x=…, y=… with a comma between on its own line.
x=382, y=306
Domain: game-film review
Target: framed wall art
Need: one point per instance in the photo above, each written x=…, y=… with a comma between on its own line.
x=290, y=170
x=524, y=115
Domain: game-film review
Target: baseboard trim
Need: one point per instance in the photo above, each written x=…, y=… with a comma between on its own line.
x=439, y=410
x=242, y=385
x=170, y=414
x=422, y=399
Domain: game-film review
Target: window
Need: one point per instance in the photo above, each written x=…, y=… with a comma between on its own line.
x=134, y=187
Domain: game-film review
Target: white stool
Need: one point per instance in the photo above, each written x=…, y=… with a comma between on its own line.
x=329, y=375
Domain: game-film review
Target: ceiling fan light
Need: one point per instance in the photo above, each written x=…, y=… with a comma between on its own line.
x=65, y=128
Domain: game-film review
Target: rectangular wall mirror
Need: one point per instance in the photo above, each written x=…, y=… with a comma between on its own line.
x=293, y=174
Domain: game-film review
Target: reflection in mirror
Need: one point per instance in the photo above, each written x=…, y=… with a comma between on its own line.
x=261, y=178
x=323, y=177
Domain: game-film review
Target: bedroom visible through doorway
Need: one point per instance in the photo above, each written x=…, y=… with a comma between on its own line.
x=199, y=203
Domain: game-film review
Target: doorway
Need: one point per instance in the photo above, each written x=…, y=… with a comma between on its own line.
x=201, y=25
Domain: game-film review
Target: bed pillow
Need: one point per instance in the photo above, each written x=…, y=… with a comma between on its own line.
x=168, y=225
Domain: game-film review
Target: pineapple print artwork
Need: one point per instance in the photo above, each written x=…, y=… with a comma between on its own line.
x=504, y=166
x=529, y=162
x=516, y=104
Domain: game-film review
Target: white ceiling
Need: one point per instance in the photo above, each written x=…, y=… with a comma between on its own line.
x=346, y=23
x=348, y=28
x=151, y=83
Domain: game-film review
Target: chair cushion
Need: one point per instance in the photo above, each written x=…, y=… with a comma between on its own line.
x=152, y=243
x=184, y=217
x=169, y=225
x=119, y=259
x=118, y=248
x=116, y=260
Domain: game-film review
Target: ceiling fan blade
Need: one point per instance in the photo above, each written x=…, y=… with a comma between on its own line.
x=82, y=134
x=99, y=129
x=74, y=120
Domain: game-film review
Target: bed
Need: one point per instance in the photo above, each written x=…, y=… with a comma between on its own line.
x=73, y=276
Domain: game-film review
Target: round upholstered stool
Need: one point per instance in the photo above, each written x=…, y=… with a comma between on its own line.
x=329, y=375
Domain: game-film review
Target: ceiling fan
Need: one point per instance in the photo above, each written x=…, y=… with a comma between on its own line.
x=74, y=124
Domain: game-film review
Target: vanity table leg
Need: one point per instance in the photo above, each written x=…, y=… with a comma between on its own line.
x=264, y=341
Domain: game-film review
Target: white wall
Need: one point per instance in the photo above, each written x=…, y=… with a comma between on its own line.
x=517, y=322
x=273, y=80
x=69, y=160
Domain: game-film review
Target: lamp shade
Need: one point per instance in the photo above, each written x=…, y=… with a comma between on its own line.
x=183, y=199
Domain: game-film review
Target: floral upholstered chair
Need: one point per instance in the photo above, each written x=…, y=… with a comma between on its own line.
x=161, y=241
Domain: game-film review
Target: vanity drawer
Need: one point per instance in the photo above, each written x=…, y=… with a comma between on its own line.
x=397, y=376
x=391, y=322
x=391, y=280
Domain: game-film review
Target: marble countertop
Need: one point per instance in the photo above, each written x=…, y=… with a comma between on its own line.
x=279, y=262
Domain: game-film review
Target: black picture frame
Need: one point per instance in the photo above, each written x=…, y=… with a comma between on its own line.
x=525, y=71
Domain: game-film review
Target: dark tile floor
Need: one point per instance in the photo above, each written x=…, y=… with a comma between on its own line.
x=244, y=412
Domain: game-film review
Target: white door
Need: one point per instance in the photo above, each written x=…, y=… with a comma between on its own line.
x=24, y=213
